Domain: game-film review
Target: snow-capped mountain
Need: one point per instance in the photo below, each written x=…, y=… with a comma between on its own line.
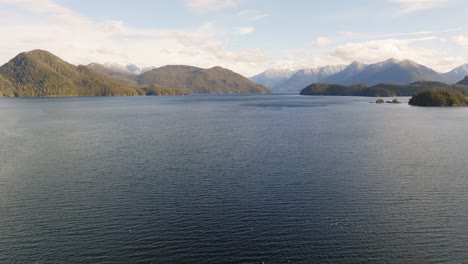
x=289, y=80
x=456, y=74
x=304, y=77
x=351, y=70
x=272, y=77
x=115, y=67
x=389, y=71
x=129, y=68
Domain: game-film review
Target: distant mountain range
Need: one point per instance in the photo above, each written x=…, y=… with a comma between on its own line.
x=389, y=71
x=272, y=77
x=304, y=77
x=456, y=74
x=286, y=80
x=39, y=73
x=129, y=68
x=347, y=73
x=116, y=72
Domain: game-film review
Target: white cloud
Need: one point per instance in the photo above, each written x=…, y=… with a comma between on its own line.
x=80, y=40
x=372, y=51
x=245, y=30
x=411, y=6
x=204, y=6
x=322, y=42
x=379, y=50
x=460, y=40
x=46, y=25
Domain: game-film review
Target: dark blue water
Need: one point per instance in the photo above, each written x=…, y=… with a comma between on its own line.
x=232, y=179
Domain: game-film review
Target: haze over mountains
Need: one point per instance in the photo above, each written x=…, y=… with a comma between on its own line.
x=389, y=71
x=286, y=80
x=456, y=74
x=39, y=73
x=273, y=77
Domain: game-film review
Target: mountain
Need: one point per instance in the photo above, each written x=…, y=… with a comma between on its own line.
x=119, y=73
x=288, y=80
x=159, y=90
x=40, y=73
x=198, y=80
x=132, y=68
x=456, y=74
x=6, y=87
x=439, y=97
x=272, y=77
x=351, y=70
x=129, y=68
x=389, y=71
x=304, y=77
x=464, y=81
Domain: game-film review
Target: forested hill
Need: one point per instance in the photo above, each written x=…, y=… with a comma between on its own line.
x=438, y=97
x=198, y=80
x=6, y=87
x=379, y=90
x=39, y=73
x=194, y=79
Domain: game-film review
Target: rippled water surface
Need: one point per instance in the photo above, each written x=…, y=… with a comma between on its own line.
x=232, y=179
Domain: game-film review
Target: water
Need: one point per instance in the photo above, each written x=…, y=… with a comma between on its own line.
x=231, y=179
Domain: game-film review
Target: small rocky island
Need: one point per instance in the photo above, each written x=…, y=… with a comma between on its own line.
x=382, y=101
x=438, y=97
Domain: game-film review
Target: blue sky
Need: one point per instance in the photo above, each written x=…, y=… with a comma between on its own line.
x=247, y=36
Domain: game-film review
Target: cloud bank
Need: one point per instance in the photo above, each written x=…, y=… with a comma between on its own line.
x=44, y=24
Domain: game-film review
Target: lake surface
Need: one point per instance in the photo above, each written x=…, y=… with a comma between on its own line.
x=232, y=179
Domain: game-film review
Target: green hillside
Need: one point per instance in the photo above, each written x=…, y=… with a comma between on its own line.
x=198, y=80
x=6, y=87
x=40, y=73
x=379, y=90
x=158, y=90
x=438, y=97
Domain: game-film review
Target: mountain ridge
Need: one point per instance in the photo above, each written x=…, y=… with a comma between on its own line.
x=39, y=73
x=392, y=71
x=456, y=74
x=289, y=81
x=389, y=71
x=272, y=77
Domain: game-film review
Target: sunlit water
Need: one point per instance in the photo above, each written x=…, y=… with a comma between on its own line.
x=232, y=179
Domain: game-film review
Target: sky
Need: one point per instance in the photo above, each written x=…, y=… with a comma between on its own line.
x=246, y=36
